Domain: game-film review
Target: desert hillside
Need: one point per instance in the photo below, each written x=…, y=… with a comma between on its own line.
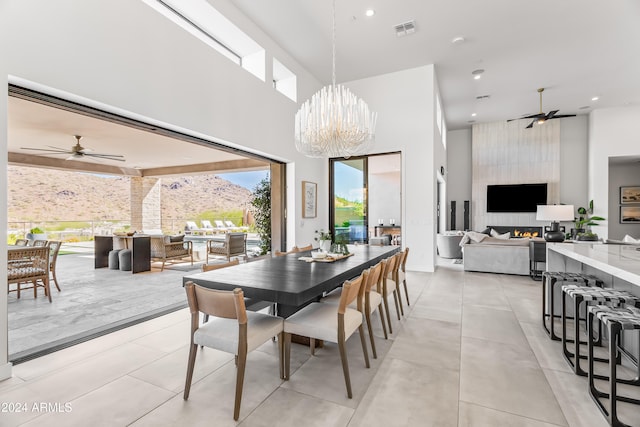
x=51, y=195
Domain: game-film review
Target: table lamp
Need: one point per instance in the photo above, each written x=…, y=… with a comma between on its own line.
x=555, y=214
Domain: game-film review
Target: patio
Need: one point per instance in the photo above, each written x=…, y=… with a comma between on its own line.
x=92, y=302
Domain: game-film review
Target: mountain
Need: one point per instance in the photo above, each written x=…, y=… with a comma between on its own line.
x=51, y=195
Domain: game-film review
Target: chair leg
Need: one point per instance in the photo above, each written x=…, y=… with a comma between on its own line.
x=281, y=354
x=363, y=341
x=345, y=366
x=406, y=291
x=367, y=316
x=192, y=360
x=287, y=355
x=399, y=293
x=384, y=326
x=162, y=268
x=242, y=363
x=47, y=290
x=312, y=346
x=395, y=300
x=55, y=279
x=386, y=309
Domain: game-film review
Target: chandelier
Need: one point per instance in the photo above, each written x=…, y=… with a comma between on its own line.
x=334, y=122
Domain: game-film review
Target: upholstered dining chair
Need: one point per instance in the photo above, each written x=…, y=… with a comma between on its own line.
x=232, y=329
x=372, y=300
x=394, y=276
x=331, y=323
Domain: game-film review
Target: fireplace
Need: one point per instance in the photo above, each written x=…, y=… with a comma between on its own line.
x=517, y=230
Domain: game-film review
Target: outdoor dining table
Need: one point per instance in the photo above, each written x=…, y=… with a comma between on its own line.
x=289, y=282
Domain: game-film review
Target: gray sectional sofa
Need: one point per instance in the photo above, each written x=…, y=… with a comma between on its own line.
x=494, y=255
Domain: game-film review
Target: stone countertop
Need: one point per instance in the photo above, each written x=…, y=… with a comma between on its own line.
x=622, y=261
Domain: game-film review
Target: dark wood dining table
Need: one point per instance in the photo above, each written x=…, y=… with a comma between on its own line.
x=289, y=282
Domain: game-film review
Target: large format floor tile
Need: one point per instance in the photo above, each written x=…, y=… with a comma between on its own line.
x=470, y=351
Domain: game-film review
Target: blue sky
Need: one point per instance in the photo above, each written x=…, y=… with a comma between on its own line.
x=245, y=179
x=348, y=182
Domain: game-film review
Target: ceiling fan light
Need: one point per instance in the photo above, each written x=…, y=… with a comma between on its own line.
x=541, y=121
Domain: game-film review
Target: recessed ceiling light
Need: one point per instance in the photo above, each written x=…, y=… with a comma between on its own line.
x=370, y=12
x=473, y=114
x=477, y=73
x=458, y=40
x=595, y=98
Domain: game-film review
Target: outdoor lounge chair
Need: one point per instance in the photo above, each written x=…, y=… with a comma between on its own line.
x=192, y=228
x=220, y=226
x=231, y=226
x=163, y=249
x=235, y=244
x=207, y=228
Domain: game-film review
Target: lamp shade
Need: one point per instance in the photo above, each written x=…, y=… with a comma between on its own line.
x=554, y=213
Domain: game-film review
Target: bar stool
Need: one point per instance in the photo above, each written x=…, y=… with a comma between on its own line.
x=549, y=279
x=616, y=320
x=580, y=294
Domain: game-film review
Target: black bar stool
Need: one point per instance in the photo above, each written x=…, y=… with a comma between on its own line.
x=580, y=294
x=549, y=279
x=616, y=320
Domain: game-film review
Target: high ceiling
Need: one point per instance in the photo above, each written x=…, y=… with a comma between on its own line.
x=576, y=49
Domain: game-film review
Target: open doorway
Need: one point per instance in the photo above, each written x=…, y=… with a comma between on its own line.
x=366, y=199
x=137, y=151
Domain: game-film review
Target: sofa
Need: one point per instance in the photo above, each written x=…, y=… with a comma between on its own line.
x=495, y=255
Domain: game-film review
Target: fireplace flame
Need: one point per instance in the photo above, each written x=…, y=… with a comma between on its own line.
x=518, y=233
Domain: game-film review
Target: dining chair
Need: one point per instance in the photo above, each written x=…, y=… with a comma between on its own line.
x=303, y=248
x=54, y=248
x=232, y=329
x=389, y=288
x=402, y=274
x=40, y=243
x=22, y=242
x=331, y=323
x=212, y=267
x=372, y=300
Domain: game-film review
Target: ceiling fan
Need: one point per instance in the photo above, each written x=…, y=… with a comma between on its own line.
x=77, y=152
x=541, y=117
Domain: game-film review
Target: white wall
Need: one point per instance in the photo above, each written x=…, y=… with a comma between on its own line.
x=613, y=132
x=406, y=122
x=5, y=367
x=123, y=56
x=572, y=184
x=628, y=175
x=458, y=173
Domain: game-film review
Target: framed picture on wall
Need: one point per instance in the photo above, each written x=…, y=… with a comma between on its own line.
x=630, y=194
x=309, y=199
x=629, y=214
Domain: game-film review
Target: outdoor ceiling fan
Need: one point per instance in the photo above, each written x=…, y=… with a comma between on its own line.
x=541, y=117
x=77, y=152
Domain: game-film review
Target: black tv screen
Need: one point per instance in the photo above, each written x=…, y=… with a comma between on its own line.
x=516, y=197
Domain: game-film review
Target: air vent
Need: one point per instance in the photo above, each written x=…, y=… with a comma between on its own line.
x=483, y=97
x=405, y=28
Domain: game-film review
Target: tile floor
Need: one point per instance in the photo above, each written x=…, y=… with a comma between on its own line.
x=470, y=351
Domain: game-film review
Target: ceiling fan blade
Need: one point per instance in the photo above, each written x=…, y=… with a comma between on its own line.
x=115, y=157
x=559, y=116
x=59, y=151
x=551, y=114
x=534, y=116
x=530, y=125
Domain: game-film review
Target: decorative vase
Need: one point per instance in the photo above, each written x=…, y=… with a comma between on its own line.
x=325, y=245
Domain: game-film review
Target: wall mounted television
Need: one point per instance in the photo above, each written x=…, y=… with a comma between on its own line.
x=516, y=197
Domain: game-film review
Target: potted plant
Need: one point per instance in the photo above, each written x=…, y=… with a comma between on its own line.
x=36, y=233
x=583, y=223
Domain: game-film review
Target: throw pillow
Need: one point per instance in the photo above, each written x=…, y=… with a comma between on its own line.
x=629, y=239
x=178, y=238
x=473, y=236
x=487, y=231
x=497, y=235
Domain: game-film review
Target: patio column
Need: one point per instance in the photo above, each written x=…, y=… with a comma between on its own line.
x=145, y=203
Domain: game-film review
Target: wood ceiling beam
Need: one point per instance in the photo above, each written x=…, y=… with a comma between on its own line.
x=21, y=159
x=242, y=165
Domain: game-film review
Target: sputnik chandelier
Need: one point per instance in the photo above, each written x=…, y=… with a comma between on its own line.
x=334, y=122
